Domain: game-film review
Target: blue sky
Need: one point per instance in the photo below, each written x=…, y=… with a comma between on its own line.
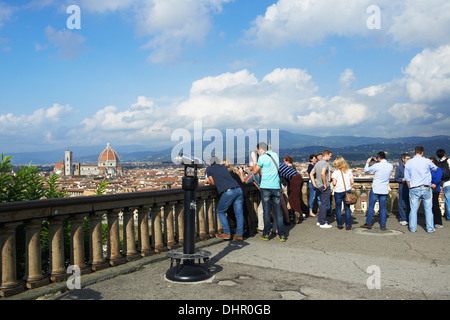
x=138, y=70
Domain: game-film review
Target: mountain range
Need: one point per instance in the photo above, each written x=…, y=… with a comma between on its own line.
x=298, y=146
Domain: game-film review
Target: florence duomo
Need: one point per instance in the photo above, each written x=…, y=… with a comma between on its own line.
x=108, y=165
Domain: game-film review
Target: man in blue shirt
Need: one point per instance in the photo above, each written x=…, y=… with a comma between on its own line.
x=403, y=191
x=268, y=163
x=380, y=188
x=418, y=177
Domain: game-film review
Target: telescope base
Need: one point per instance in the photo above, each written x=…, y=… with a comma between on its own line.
x=185, y=269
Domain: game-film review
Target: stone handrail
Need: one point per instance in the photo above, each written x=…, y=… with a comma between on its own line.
x=157, y=216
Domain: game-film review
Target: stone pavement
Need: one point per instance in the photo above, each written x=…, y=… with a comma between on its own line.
x=313, y=264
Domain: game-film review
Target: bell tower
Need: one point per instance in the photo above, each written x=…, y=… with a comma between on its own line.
x=68, y=167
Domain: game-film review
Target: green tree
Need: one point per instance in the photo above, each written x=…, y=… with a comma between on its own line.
x=101, y=187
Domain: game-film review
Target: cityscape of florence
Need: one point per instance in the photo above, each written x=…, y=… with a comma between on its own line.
x=101, y=99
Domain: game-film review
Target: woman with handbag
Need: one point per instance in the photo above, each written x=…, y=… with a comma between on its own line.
x=342, y=180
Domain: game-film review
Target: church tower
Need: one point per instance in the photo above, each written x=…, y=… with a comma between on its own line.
x=68, y=167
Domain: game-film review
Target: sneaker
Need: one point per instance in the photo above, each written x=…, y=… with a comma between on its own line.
x=325, y=226
x=437, y=226
x=282, y=238
x=403, y=223
x=265, y=238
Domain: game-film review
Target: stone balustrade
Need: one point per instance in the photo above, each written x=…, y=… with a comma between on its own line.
x=138, y=225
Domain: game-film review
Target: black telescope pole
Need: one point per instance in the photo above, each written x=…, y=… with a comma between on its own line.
x=186, y=269
x=190, y=185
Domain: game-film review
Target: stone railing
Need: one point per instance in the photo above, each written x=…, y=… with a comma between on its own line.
x=137, y=225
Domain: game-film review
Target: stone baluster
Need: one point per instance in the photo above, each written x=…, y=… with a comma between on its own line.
x=219, y=225
x=97, y=261
x=115, y=257
x=129, y=245
x=305, y=196
x=201, y=219
x=10, y=285
x=358, y=205
x=144, y=236
x=157, y=213
x=57, y=267
x=394, y=198
x=77, y=243
x=210, y=214
x=33, y=272
x=170, y=233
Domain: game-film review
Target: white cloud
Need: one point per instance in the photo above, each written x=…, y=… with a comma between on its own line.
x=309, y=22
x=427, y=77
x=174, y=24
x=43, y=126
x=169, y=25
x=347, y=78
x=70, y=44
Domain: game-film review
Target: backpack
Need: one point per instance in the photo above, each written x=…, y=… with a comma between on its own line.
x=445, y=170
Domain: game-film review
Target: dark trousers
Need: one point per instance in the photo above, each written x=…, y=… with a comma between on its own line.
x=437, y=215
x=294, y=195
x=324, y=202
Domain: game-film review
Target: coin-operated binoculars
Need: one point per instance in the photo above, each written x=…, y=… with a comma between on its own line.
x=185, y=268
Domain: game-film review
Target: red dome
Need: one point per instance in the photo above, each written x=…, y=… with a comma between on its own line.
x=108, y=155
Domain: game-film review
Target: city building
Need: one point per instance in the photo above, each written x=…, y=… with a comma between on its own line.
x=108, y=164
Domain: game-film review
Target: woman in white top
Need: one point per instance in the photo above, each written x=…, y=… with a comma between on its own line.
x=341, y=174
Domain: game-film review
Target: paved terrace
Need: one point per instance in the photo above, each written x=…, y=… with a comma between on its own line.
x=313, y=264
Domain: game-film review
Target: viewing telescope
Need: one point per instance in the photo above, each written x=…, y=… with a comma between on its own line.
x=186, y=269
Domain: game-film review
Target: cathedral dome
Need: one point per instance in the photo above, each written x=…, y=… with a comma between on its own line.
x=108, y=155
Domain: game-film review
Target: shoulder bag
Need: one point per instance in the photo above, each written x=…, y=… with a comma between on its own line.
x=350, y=198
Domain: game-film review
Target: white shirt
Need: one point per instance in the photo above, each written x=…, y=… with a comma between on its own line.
x=340, y=183
x=382, y=170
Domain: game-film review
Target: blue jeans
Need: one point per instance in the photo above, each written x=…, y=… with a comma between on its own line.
x=233, y=197
x=403, y=202
x=373, y=197
x=324, y=204
x=339, y=198
x=271, y=198
x=447, y=200
x=415, y=194
x=312, y=196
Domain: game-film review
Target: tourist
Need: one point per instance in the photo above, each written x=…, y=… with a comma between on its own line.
x=342, y=180
x=418, y=177
x=252, y=178
x=268, y=163
x=313, y=194
x=230, y=194
x=380, y=188
x=403, y=191
x=289, y=162
x=320, y=176
x=444, y=164
x=295, y=181
x=436, y=177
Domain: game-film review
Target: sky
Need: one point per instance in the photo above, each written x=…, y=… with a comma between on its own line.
x=131, y=72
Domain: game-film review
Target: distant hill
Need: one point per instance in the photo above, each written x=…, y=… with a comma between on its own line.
x=298, y=146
